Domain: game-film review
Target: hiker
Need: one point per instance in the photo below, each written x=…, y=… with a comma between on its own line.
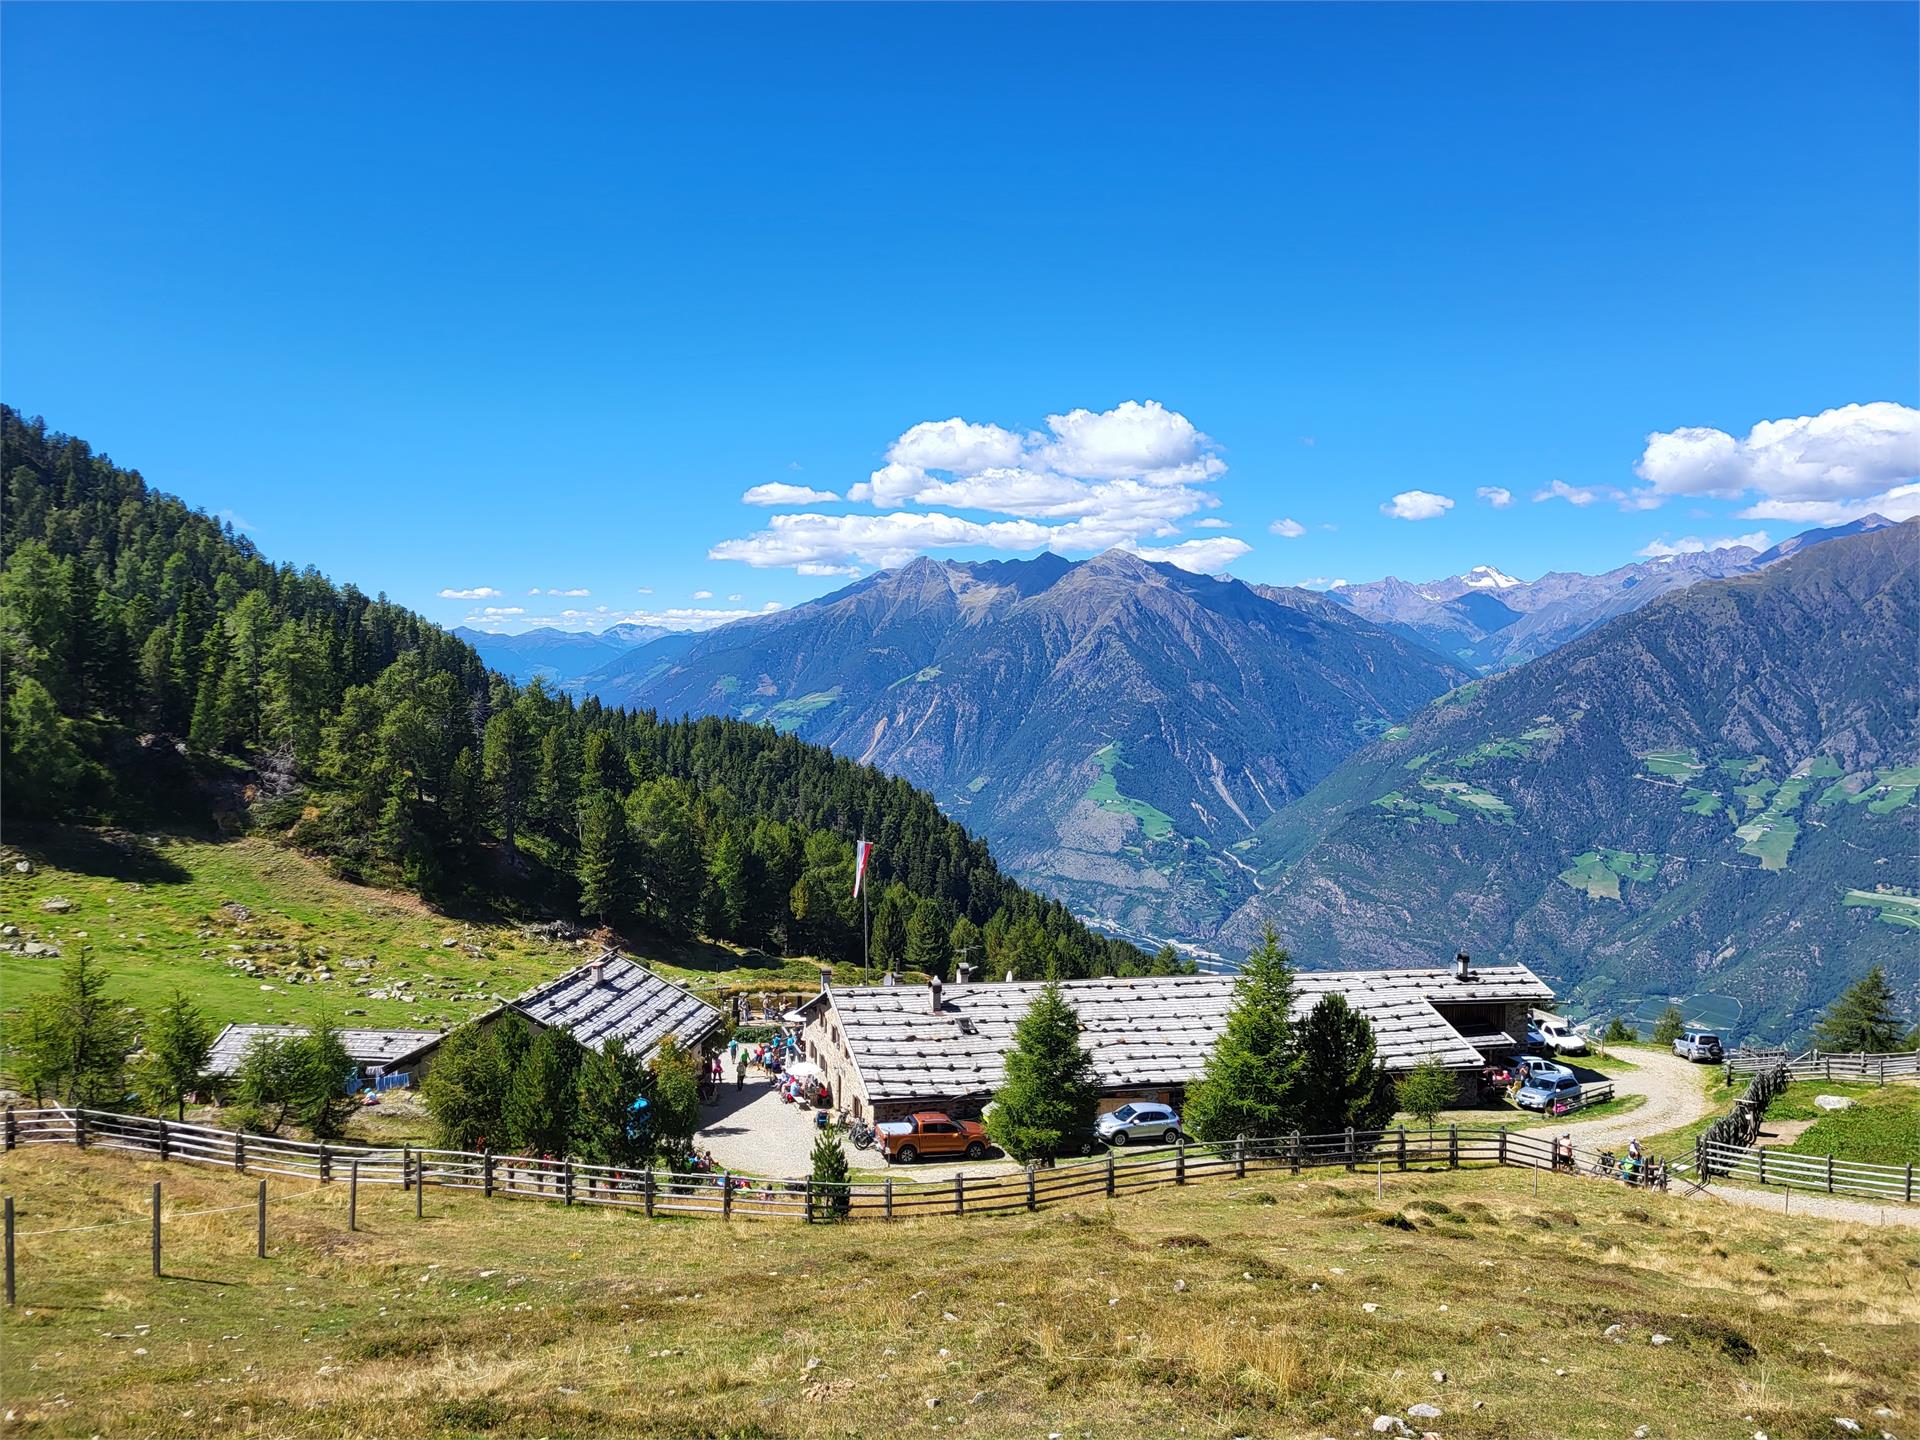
x=740, y=1074
x=1563, y=1153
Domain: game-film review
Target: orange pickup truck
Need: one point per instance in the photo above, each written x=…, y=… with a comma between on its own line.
x=929, y=1133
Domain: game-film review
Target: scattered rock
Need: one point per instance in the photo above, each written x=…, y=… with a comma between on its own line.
x=234, y=910
x=1369, y=1307
x=1390, y=1425
x=813, y=1362
x=56, y=905
x=35, y=947
x=1833, y=1102
x=1439, y=1377
x=1641, y=1433
x=1424, y=1411
x=1852, y=1427
x=1659, y=1339
x=933, y=1402
x=23, y=867
x=1180, y=1285
x=949, y=1317
x=9, y=930
x=1612, y=1330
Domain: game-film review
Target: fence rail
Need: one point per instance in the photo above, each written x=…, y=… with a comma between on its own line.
x=727, y=1196
x=1823, y=1065
x=1807, y=1172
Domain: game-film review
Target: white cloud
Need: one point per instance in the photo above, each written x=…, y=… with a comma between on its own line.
x=703, y=595
x=1320, y=582
x=571, y=594
x=809, y=567
x=1693, y=545
x=1204, y=557
x=1842, y=458
x=735, y=599
x=1213, y=522
x=1580, y=495
x=1416, y=505
x=478, y=592
x=779, y=493
x=1109, y=478
x=1290, y=528
x=235, y=519
x=498, y=611
x=599, y=618
x=1902, y=502
x=1498, y=496
x=643, y=590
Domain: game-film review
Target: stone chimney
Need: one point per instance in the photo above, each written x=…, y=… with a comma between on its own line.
x=964, y=974
x=597, y=969
x=1461, y=966
x=826, y=978
x=934, y=988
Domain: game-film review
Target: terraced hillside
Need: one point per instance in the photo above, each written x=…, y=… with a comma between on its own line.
x=1714, y=794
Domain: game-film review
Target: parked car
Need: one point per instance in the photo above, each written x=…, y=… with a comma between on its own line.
x=1697, y=1044
x=1535, y=1040
x=931, y=1134
x=1532, y=1067
x=1544, y=1092
x=1139, y=1120
x=1561, y=1038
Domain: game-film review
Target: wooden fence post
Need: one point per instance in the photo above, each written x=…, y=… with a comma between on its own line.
x=11, y=1130
x=156, y=1229
x=809, y=1200
x=1180, y=1161
x=80, y=1128
x=886, y=1212
x=9, y=1249
x=959, y=1193
x=1453, y=1147
x=486, y=1173
x=1909, y=1182
x=353, y=1195
x=165, y=1147
x=726, y=1196
x=1240, y=1156
x=1829, y=1172
x=326, y=1164
x=260, y=1223
x=1109, y=1172
x=566, y=1179
x=406, y=1167
x=1503, y=1144
x=1293, y=1147
x=1030, y=1194
x=1403, y=1147
x=1761, y=1156
x=1350, y=1149
x=239, y=1154
x=646, y=1186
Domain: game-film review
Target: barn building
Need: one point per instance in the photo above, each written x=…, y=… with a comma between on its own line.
x=889, y=1050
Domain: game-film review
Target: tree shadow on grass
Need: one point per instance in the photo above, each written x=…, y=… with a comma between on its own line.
x=115, y=854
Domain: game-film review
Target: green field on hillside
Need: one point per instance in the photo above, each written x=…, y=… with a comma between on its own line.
x=1275, y=1306
x=1881, y=1127
x=1898, y=910
x=1105, y=792
x=1599, y=872
x=255, y=931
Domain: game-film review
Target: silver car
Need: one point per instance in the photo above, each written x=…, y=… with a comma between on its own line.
x=1139, y=1121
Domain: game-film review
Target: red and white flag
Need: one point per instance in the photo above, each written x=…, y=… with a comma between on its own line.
x=861, y=850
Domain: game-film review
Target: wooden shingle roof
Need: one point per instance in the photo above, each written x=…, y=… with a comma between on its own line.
x=365, y=1048
x=615, y=997
x=1142, y=1031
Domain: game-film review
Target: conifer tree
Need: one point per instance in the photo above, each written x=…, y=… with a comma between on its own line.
x=1427, y=1089
x=537, y=1113
x=606, y=859
x=675, y=1095
x=73, y=1041
x=606, y=1086
x=465, y=1088
x=178, y=1040
x=1341, y=1082
x=926, y=944
x=1048, y=1098
x=964, y=945
x=1667, y=1028
x=1251, y=1082
x=888, y=941
x=829, y=1195
x=1864, y=1018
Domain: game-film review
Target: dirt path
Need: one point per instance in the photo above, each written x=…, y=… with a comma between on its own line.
x=1826, y=1207
x=1675, y=1097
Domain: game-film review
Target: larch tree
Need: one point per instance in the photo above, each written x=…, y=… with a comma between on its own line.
x=1865, y=1018
x=1251, y=1082
x=178, y=1041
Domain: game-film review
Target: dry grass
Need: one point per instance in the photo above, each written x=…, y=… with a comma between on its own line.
x=1225, y=1309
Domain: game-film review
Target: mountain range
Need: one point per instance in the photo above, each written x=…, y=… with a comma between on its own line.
x=1714, y=794
x=1488, y=620
x=564, y=659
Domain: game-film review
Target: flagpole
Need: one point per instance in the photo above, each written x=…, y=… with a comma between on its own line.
x=866, y=933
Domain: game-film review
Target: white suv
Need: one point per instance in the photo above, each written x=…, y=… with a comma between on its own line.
x=1139, y=1120
x=1562, y=1039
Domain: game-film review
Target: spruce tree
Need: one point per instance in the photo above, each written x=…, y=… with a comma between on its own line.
x=926, y=945
x=887, y=942
x=674, y=1093
x=1251, y=1082
x=829, y=1195
x=1048, y=1098
x=605, y=1088
x=1341, y=1082
x=318, y=1075
x=1427, y=1089
x=74, y=1040
x=538, y=1111
x=606, y=859
x=41, y=770
x=966, y=946
x=1864, y=1018
x=1667, y=1028
x=177, y=1041
x=465, y=1088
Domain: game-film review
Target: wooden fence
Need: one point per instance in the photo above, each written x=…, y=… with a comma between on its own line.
x=1806, y=1172
x=729, y=1196
x=1822, y=1065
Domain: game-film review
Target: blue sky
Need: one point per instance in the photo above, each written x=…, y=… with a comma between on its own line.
x=458, y=299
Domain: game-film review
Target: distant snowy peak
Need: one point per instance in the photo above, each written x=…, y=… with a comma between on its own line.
x=1485, y=577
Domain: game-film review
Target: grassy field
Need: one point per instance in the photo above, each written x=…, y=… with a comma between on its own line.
x=1599, y=872
x=1881, y=1127
x=255, y=931
x=1270, y=1307
x=1902, y=911
x=1105, y=792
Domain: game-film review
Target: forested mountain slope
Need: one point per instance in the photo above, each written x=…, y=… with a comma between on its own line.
x=159, y=669
x=1115, y=728
x=1713, y=794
